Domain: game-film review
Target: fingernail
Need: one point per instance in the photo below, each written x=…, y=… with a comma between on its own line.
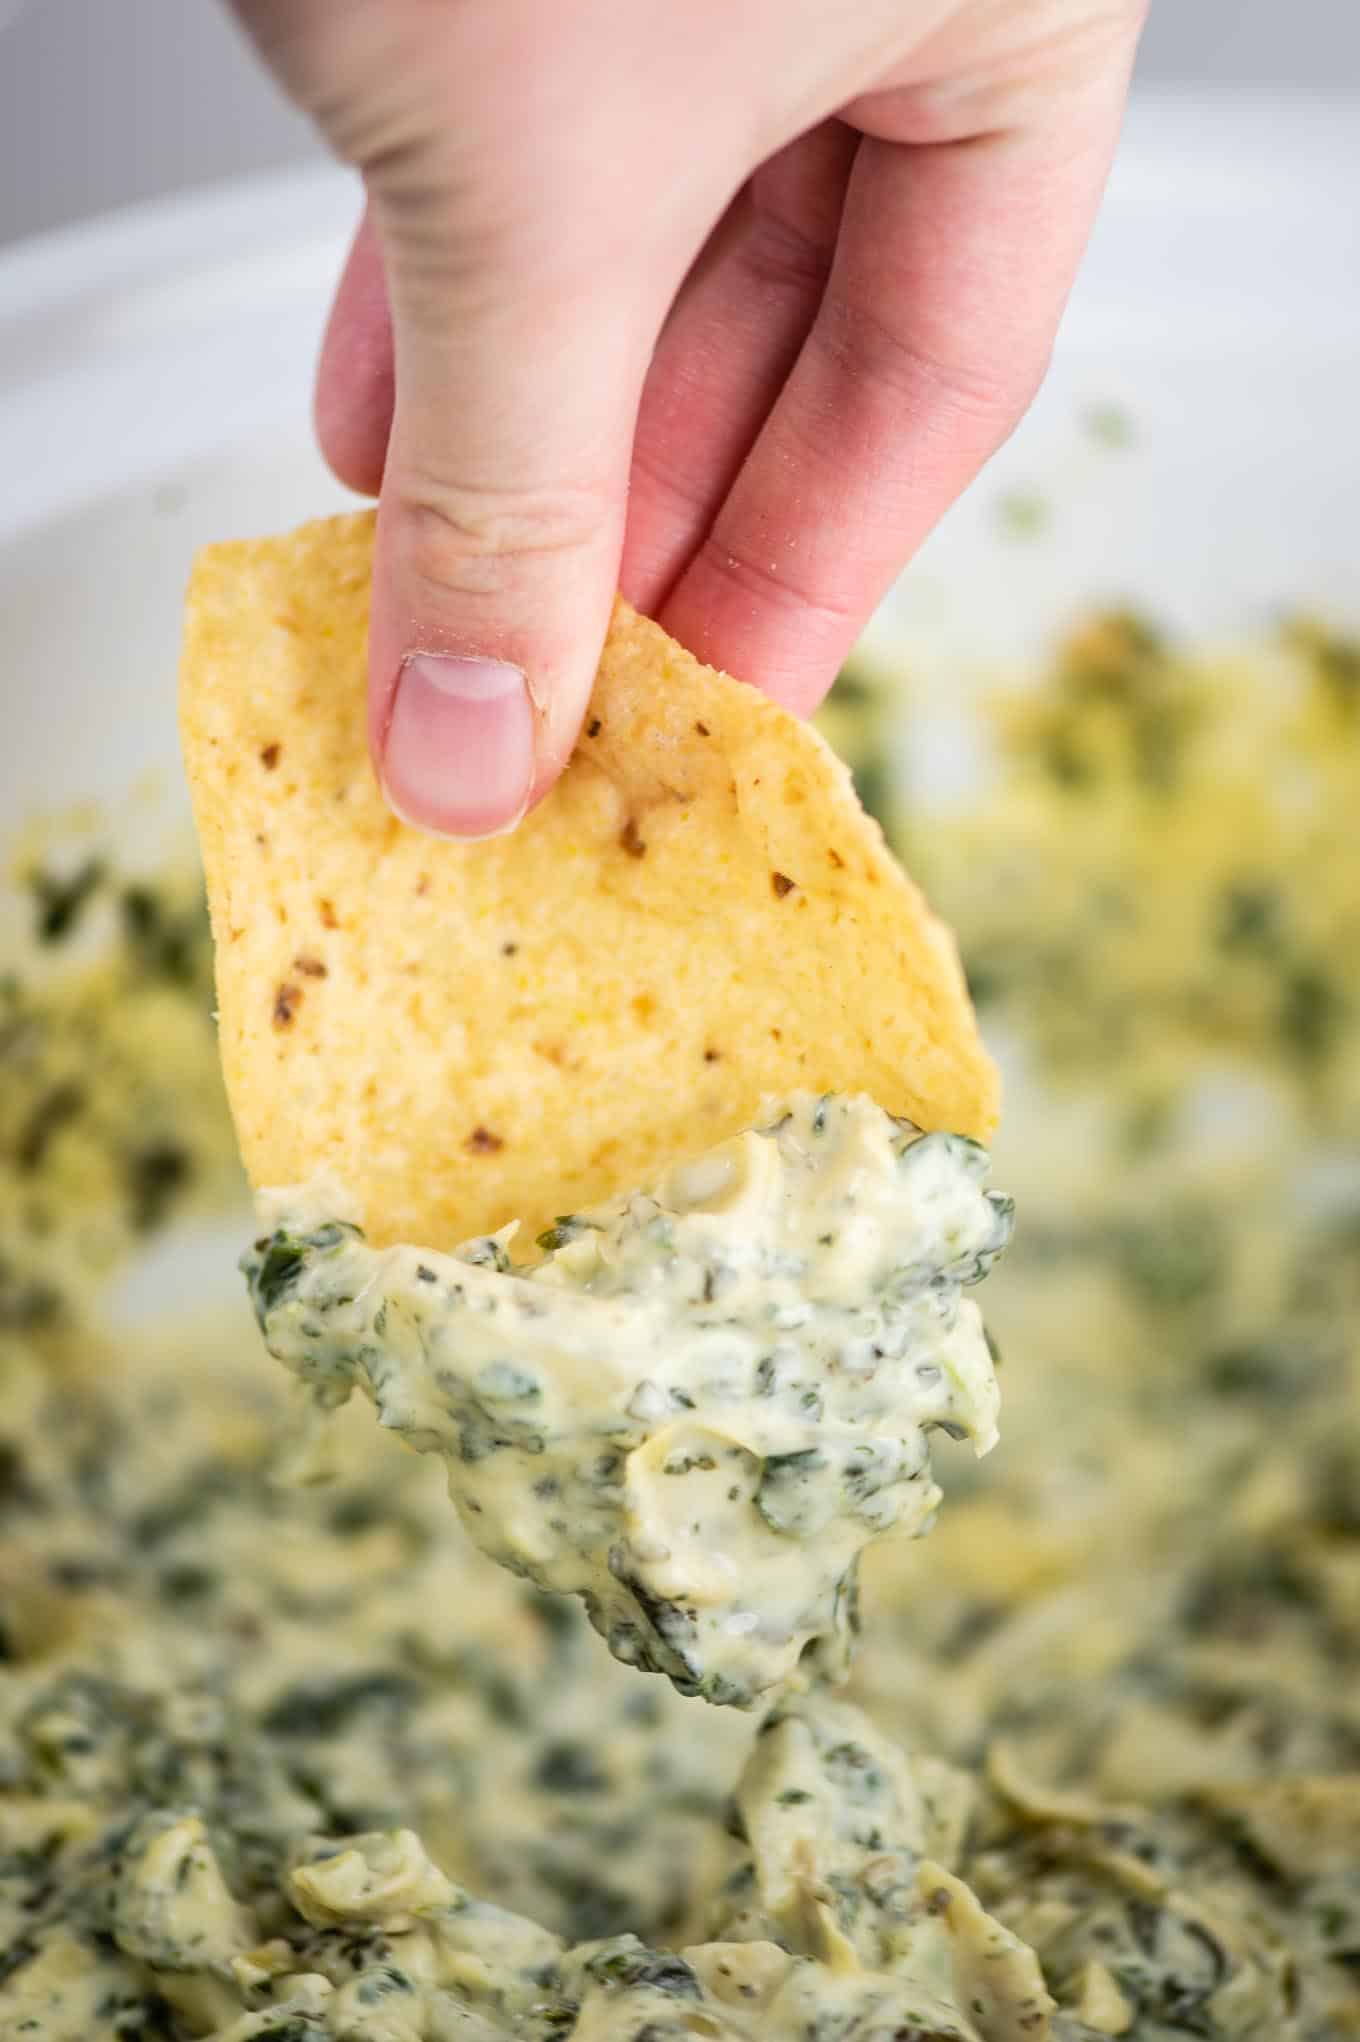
x=459, y=754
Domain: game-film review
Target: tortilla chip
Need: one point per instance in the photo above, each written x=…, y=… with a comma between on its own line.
x=697, y=917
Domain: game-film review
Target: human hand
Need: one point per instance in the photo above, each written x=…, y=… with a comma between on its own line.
x=722, y=302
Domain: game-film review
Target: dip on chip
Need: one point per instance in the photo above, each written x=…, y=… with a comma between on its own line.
x=697, y=918
x=703, y=1401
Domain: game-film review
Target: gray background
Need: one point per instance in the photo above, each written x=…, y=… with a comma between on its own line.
x=106, y=101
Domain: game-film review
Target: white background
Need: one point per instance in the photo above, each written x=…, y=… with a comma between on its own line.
x=106, y=101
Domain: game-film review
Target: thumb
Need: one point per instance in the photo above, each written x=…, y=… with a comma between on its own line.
x=501, y=518
x=518, y=270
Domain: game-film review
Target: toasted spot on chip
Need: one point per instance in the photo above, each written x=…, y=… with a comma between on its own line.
x=287, y=1000
x=625, y=971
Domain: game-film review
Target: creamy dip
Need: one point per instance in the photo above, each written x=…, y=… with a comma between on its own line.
x=704, y=1400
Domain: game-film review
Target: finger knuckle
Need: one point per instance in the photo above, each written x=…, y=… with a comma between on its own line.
x=783, y=589
x=990, y=391
x=779, y=256
x=475, y=540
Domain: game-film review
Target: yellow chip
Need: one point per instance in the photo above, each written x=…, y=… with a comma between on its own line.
x=698, y=916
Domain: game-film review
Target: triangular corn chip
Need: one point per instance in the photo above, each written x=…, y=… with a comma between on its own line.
x=698, y=917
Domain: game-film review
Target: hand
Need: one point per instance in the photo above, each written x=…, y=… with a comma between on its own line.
x=720, y=301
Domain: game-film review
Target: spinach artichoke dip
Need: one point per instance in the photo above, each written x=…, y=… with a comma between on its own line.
x=298, y=1761
x=703, y=1401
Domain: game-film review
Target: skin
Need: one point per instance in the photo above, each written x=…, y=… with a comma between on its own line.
x=722, y=303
